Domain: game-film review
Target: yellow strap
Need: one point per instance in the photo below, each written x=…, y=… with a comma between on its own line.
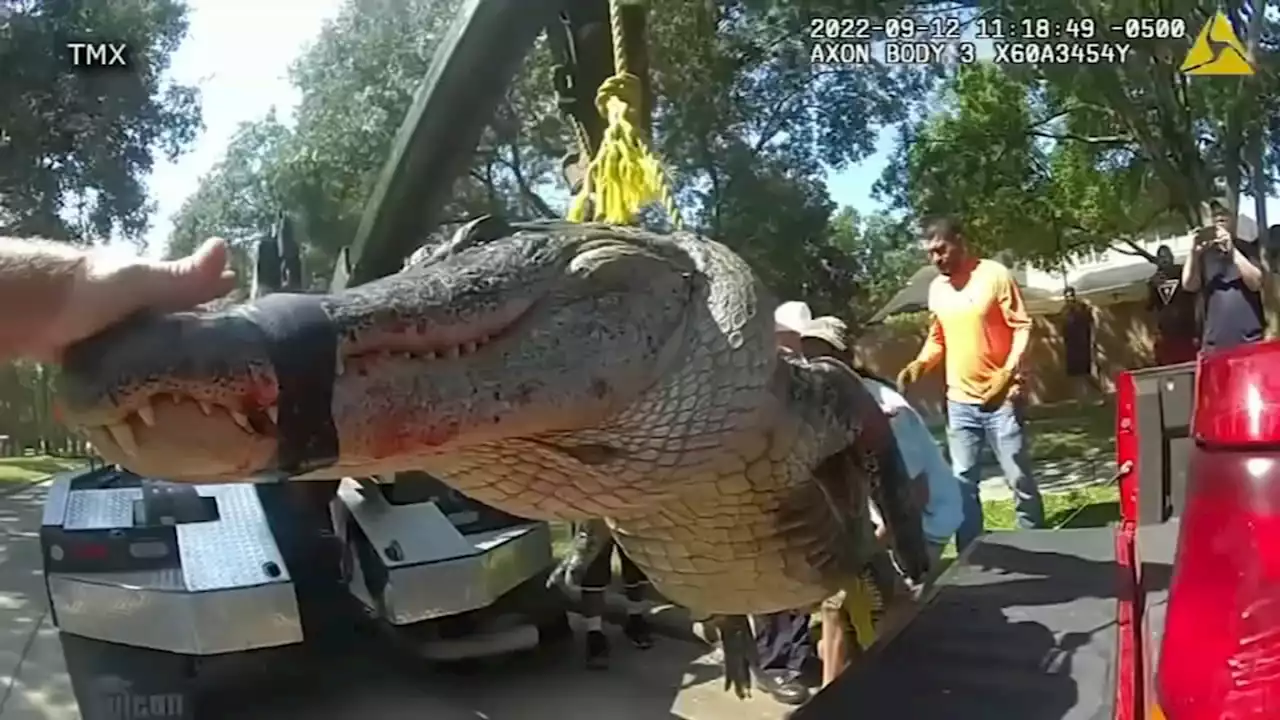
x=624, y=176
x=861, y=603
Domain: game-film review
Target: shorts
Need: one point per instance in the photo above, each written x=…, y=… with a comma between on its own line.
x=886, y=584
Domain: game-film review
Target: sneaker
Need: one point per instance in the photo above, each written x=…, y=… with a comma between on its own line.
x=638, y=631
x=597, y=650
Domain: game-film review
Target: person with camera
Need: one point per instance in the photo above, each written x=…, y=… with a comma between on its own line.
x=1226, y=273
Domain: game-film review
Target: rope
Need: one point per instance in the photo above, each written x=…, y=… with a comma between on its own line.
x=1123, y=470
x=624, y=176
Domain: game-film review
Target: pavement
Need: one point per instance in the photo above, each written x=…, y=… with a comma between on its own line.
x=678, y=679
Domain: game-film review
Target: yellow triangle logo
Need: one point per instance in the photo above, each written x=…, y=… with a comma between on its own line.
x=1217, y=51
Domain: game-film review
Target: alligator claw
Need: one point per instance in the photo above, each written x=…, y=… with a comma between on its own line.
x=589, y=540
x=741, y=660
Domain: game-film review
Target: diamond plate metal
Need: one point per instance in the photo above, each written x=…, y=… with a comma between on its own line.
x=233, y=552
x=55, y=501
x=101, y=509
x=221, y=599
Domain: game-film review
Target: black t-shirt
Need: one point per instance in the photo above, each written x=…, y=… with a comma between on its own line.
x=1232, y=312
x=1175, y=308
x=1077, y=328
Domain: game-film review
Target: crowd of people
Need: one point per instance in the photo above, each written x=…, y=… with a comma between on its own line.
x=979, y=333
x=1211, y=301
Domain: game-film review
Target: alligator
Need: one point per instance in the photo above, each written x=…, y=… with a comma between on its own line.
x=553, y=370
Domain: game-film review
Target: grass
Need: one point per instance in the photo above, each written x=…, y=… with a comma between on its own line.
x=1092, y=506
x=1069, y=430
x=34, y=467
x=1063, y=431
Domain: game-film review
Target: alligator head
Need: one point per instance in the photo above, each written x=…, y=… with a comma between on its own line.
x=511, y=352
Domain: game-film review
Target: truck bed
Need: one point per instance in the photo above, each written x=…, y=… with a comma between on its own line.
x=1023, y=626
x=1156, y=546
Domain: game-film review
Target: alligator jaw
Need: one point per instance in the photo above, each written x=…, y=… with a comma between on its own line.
x=522, y=336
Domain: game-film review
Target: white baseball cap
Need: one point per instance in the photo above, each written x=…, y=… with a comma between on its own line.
x=797, y=317
x=793, y=316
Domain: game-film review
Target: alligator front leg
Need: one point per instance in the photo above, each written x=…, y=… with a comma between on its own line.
x=741, y=660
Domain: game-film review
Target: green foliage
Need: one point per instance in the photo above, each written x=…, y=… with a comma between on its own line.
x=239, y=207
x=745, y=127
x=748, y=129
x=885, y=254
x=76, y=143
x=1054, y=160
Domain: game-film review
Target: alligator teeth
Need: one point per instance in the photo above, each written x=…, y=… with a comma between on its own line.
x=273, y=412
x=429, y=356
x=123, y=435
x=147, y=414
x=205, y=407
x=452, y=353
x=241, y=419
x=469, y=348
x=339, y=367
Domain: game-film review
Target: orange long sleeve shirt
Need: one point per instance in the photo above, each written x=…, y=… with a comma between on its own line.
x=975, y=327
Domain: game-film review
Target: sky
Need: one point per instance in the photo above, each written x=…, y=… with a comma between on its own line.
x=238, y=53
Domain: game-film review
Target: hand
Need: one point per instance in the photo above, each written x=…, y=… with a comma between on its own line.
x=1204, y=237
x=878, y=523
x=997, y=389
x=910, y=374
x=891, y=405
x=104, y=293
x=1222, y=238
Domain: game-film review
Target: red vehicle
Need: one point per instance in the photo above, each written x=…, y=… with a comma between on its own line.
x=1101, y=623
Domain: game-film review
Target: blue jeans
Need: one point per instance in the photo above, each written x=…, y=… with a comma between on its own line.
x=968, y=426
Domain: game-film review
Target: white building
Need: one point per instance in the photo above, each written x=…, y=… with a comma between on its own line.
x=1100, y=277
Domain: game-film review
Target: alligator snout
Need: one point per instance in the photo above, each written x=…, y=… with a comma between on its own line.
x=199, y=372
x=550, y=329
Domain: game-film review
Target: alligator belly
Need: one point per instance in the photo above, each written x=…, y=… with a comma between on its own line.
x=733, y=559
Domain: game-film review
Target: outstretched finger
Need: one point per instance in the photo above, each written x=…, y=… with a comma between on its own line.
x=181, y=284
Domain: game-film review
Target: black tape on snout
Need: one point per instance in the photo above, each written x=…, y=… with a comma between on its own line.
x=302, y=344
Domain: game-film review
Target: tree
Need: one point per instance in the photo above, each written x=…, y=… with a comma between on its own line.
x=75, y=143
x=745, y=128
x=885, y=253
x=242, y=203
x=357, y=81
x=748, y=128
x=1058, y=159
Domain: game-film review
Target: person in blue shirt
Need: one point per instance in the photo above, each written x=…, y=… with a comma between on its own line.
x=825, y=337
x=812, y=337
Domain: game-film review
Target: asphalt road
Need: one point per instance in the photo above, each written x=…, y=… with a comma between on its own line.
x=674, y=680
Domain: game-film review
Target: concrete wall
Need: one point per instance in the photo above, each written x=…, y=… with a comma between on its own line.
x=1123, y=339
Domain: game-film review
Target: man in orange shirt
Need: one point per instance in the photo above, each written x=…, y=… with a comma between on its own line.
x=982, y=329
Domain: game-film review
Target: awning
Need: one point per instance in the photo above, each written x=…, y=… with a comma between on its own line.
x=914, y=297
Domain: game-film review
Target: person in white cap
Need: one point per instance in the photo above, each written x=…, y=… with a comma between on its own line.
x=798, y=330
x=784, y=644
x=825, y=337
